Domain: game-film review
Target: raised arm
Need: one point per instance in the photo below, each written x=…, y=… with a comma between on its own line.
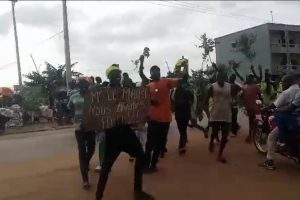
x=260, y=73
x=258, y=78
x=144, y=78
x=214, y=65
x=238, y=74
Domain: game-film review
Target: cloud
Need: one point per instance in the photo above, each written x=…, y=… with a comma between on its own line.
x=39, y=15
x=228, y=4
x=102, y=33
x=120, y=38
x=132, y=28
x=5, y=21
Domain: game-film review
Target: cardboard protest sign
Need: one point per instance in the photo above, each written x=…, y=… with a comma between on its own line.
x=105, y=107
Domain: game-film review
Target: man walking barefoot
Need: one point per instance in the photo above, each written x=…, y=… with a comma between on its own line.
x=183, y=100
x=85, y=139
x=220, y=114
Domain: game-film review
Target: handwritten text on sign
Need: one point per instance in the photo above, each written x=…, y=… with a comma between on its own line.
x=105, y=107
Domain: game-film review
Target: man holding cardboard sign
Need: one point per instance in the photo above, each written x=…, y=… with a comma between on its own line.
x=115, y=110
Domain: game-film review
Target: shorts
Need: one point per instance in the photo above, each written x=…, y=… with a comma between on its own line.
x=220, y=126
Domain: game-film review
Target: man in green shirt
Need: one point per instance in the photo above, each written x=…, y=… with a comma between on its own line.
x=121, y=138
x=85, y=139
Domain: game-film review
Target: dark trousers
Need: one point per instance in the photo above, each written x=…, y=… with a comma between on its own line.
x=121, y=139
x=165, y=139
x=252, y=122
x=86, y=149
x=234, y=123
x=182, y=120
x=224, y=128
x=156, y=141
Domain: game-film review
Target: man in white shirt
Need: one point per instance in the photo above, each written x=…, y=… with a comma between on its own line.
x=288, y=123
x=290, y=87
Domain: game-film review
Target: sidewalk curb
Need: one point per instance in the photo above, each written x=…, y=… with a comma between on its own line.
x=6, y=133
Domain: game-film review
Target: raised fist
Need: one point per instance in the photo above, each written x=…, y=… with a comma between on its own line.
x=142, y=57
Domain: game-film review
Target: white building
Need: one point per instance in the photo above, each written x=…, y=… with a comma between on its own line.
x=277, y=48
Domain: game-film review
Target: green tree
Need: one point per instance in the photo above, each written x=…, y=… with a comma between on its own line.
x=49, y=80
x=208, y=46
x=33, y=99
x=244, y=45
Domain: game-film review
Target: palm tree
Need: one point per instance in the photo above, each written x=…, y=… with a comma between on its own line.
x=51, y=79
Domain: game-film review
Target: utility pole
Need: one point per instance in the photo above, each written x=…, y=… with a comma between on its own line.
x=272, y=16
x=67, y=45
x=13, y=2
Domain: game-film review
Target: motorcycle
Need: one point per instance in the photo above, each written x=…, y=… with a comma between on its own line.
x=266, y=123
x=61, y=112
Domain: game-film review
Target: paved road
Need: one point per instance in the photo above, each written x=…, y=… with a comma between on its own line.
x=21, y=147
x=44, y=166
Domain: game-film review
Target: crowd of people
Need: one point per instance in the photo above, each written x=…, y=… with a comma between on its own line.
x=176, y=95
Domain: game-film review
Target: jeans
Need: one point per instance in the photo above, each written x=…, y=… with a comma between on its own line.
x=288, y=124
x=271, y=143
x=86, y=149
x=156, y=141
x=121, y=139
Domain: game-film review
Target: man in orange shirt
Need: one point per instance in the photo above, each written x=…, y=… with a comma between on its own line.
x=160, y=116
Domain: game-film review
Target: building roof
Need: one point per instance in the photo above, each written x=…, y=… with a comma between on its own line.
x=5, y=91
x=254, y=27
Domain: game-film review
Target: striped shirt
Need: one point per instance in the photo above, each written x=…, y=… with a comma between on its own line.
x=77, y=101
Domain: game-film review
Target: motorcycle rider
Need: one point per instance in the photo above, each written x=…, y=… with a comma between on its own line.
x=288, y=123
x=290, y=87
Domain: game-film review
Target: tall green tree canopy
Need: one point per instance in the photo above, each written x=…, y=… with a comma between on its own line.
x=49, y=80
x=208, y=46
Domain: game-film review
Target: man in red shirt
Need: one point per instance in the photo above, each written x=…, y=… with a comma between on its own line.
x=251, y=93
x=160, y=116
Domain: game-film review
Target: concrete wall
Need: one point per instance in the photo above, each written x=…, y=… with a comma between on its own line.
x=225, y=52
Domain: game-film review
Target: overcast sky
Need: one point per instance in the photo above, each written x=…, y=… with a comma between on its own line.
x=102, y=33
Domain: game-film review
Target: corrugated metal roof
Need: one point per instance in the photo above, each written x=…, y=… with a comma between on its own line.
x=5, y=91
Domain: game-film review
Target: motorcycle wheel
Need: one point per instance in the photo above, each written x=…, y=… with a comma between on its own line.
x=260, y=141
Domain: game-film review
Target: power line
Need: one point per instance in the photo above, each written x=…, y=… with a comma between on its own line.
x=212, y=10
x=172, y=6
x=49, y=38
x=178, y=5
x=203, y=10
x=7, y=65
x=193, y=5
